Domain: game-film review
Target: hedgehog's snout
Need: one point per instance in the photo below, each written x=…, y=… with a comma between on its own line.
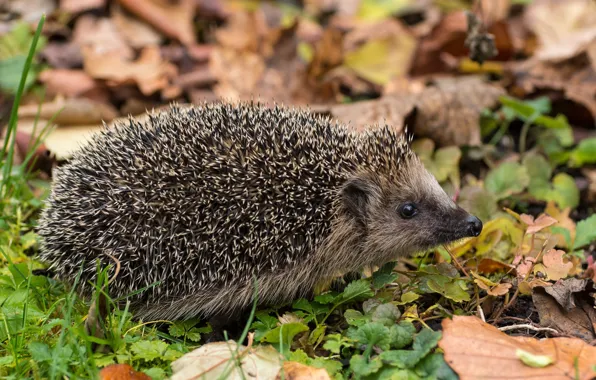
x=474, y=226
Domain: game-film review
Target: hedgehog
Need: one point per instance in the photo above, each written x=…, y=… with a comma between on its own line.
x=198, y=204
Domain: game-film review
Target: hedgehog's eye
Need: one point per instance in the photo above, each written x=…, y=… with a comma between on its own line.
x=407, y=210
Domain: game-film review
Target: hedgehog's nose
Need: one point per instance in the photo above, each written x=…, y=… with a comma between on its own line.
x=474, y=225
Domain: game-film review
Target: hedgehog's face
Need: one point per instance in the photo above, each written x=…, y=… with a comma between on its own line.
x=407, y=215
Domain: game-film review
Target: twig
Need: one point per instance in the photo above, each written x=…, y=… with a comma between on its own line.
x=481, y=313
x=455, y=261
x=529, y=327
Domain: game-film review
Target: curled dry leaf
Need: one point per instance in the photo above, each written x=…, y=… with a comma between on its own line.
x=121, y=372
x=477, y=350
x=174, y=19
x=568, y=306
x=149, y=71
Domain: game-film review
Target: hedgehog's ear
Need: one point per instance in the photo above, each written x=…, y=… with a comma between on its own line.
x=357, y=195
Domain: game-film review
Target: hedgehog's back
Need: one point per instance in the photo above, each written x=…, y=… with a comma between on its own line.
x=197, y=197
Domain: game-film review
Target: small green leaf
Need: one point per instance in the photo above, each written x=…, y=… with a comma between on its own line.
x=374, y=334
x=507, y=179
x=317, y=335
x=538, y=168
x=531, y=360
x=585, y=232
x=433, y=366
x=355, y=291
x=355, y=318
x=40, y=352
x=386, y=314
x=362, y=367
x=408, y=297
x=149, y=349
x=325, y=298
x=334, y=343
x=384, y=275
x=287, y=331
x=263, y=325
x=401, y=334
x=584, y=153
x=478, y=201
x=155, y=373
x=176, y=330
x=424, y=343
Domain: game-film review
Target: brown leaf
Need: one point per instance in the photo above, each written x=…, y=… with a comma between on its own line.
x=78, y=6
x=101, y=36
x=121, y=372
x=567, y=306
x=63, y=55
x=42, y=159
x=71, y=111
x=135, y=32
x=67, y=82
x=488, y=265
x=477, y=350
x=448, y=112
x=564, y=28
x=298, y=371
x=149, y=71
x=553, y=265
x=499, y=290
x=172, y=19
x=540, y=223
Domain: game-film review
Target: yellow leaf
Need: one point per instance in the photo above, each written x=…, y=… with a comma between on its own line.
x=379, y=61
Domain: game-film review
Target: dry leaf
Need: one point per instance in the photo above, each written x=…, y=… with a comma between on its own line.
x=553, y=265
x=448, y=112
x=379, y=52
x=70, y=111
x=523, y=265
x=121, y=372
x=477, y=350
x=63, y=55
x=563, y=219
x=149, y=71
x=488, y=265
x=210, y=360
x=298, y=371
x=67, y=82
x=540, y=223
x=78, y=6
x=564, y=28
x=135, y=32
x=568, y=307
x=174, y=19
x=101, y=36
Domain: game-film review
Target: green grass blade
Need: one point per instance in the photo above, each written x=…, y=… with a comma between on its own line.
x=10, y=138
